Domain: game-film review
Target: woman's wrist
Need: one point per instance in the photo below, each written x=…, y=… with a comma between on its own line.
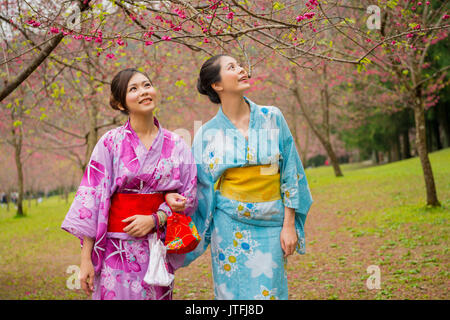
x=289, y=218
x=86, y=259
x=86, y=250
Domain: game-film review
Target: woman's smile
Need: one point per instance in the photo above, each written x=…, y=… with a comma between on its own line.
x=146, y=101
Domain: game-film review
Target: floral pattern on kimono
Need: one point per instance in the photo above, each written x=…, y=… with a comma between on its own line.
x=121, y=163
x=246, y=254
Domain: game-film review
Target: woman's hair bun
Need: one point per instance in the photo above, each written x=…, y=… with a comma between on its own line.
x=209, y=74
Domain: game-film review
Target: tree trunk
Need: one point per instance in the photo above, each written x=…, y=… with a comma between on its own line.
x=394, y=150
x=324, y=138
x=421, y=145
x=334, y=161
x=398, y=146
x=375, y=158
x=17, y=153
x=406, y=145
x=325, y=143
x=304, y=153
x=444, y=117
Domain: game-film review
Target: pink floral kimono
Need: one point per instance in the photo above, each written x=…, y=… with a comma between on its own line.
x=121, y=163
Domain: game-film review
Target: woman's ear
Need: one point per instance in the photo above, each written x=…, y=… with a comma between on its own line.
x=120, y=107
x=217, y=87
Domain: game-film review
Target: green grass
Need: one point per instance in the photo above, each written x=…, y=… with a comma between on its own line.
x=35, y=252
x=374, y=215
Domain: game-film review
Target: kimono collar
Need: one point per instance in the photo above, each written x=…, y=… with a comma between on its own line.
x=135, y=137
x=221, y=116
x=155, y=121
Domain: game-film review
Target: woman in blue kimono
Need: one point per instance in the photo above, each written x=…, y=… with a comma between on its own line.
x=253, y=196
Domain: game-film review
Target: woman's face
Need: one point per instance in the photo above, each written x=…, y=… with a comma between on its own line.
x=141, y=95
x=234, y=78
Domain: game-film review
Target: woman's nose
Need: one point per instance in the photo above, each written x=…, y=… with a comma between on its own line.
x=144, y=91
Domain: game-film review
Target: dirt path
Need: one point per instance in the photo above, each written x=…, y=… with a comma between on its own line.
x=412, y=259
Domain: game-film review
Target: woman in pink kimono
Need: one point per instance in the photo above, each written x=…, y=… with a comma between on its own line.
x=121, y=198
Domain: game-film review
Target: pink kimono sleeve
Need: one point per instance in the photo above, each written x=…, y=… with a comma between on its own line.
x=188, y=178
x=92, y=200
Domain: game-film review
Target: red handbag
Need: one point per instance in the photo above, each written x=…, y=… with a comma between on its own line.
x=181, y=234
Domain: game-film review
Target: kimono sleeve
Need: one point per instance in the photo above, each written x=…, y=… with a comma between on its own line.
x=93, y=195
x=188, y=178
x=294, y=185
x=188, y=189
x=202, y=216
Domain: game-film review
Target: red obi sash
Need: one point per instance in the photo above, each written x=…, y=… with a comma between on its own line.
x=124, y=205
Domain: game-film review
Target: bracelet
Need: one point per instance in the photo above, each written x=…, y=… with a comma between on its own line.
x=162, y=217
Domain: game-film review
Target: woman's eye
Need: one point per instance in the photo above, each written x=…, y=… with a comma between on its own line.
x=132, y=89
x=148, y=85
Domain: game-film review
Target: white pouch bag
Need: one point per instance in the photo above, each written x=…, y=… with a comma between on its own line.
x=157, y=273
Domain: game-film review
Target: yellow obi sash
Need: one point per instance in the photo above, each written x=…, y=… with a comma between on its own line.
x=250, y=184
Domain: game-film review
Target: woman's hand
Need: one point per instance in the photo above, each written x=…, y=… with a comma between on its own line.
x=87, y=273
x=176, y=201
x=288, y=236
x=139, y=225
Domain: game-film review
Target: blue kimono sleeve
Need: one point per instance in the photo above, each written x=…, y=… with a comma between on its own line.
x=202, y=216
x=295, y=191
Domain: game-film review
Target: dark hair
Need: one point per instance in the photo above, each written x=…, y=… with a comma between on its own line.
x=209, y=74
x=119, y=87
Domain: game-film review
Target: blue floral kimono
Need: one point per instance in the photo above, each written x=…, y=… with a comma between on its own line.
x=247, y=258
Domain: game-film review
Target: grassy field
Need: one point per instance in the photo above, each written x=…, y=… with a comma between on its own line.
x=371, y=216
